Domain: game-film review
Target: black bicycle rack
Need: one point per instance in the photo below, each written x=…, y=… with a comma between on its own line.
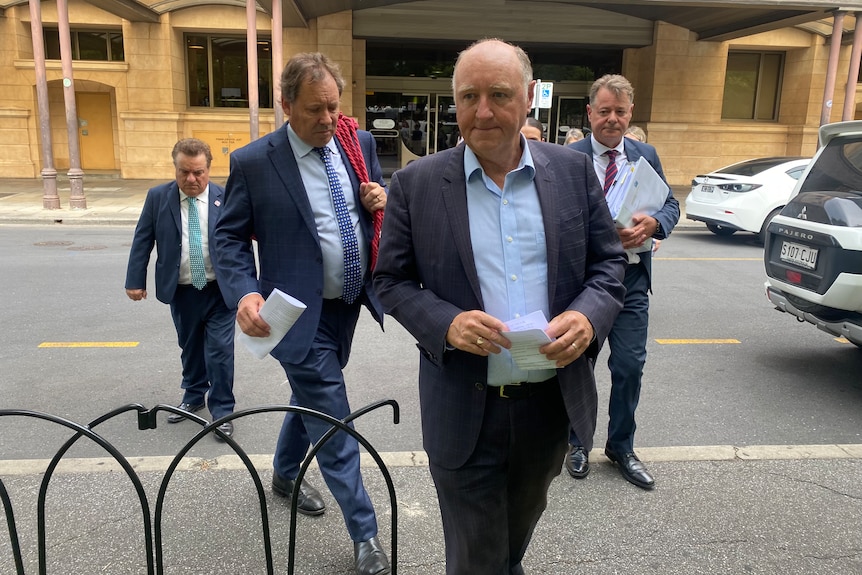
x=153, y=526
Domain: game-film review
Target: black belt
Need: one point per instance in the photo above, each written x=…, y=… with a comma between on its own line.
x=522, y=389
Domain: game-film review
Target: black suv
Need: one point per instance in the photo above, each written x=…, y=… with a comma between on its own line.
x=813, y=248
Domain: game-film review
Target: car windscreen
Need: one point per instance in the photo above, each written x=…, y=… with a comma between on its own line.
x=754, y=167
x=838, y=167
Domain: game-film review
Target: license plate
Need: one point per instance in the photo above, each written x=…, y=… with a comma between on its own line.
x=797, y=254
x=707, y=189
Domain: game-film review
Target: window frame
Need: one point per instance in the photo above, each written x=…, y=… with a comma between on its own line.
x=761, y=84
x=206, y=93
x=75, y=41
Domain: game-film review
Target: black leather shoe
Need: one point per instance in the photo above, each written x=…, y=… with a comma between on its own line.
x=176, y=418
x=309, y=503
x=370, y=558
x=632, y=469
x=578, y=462
x=226, y=428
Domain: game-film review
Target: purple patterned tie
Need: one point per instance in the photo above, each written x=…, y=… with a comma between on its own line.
x=611, y=171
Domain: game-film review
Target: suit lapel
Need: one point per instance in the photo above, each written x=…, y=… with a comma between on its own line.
x=364, y=216
x=548, y=200
x=284, y=162
x=454, y=192
x=214, y=205
x=174, y=206
x=632, y=152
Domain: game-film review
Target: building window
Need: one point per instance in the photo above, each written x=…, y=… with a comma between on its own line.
x=752, y=85
x=99, y=45
x=218, y=71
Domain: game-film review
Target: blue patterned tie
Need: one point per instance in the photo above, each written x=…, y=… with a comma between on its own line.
x=349, y=244
x=196, y=251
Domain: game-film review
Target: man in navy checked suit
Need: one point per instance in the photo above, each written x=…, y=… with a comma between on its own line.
x=278, y=192
x=481, y=234
x=610, y=111
x=204, y=323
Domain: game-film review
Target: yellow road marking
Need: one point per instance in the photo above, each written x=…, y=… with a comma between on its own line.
x=89, y=344
x=694, y=341
x=842, y=339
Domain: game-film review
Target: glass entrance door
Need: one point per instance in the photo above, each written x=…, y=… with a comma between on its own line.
x=400, y=124
x=572, y=114
x=446, y=133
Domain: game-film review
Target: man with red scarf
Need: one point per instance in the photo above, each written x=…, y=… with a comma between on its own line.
x=303, y=193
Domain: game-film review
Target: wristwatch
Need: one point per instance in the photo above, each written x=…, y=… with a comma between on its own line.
x=657, y=228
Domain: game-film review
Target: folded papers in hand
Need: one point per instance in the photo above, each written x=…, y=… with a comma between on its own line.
x=280, y=311
x=527, y=335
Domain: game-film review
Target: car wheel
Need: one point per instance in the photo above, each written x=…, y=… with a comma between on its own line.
x=720, y=230
x=762, y=235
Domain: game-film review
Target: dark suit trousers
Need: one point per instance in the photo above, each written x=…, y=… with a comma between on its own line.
x=627, y=342
x=492, y=504
x=205, y=333
x=318, y=383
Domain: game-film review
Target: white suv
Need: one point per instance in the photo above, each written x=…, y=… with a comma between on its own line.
x=813, y=248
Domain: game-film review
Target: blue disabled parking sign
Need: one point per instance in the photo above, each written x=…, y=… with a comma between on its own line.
x=544, y=94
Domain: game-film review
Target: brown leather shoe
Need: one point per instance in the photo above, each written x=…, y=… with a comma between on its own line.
x=369, y=558
x=309, y=501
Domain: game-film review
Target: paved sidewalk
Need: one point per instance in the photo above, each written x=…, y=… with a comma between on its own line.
x=115, y=201
x=110, y=201
x=716, y=510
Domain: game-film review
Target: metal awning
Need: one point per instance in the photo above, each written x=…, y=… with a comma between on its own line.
x=709, y=19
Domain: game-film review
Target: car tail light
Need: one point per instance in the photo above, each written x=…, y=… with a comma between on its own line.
x=739, y=188
x=793, y=277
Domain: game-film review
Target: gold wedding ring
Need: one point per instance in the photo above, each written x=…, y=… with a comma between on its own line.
x=574, y=345
x=479, y=341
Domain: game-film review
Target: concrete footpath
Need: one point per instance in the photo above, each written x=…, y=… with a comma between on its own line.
x=716, y=509
x=114, y=201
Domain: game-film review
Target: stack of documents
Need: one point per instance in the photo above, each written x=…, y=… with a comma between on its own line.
x=638, y=190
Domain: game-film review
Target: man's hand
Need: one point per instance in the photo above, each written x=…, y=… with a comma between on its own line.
x=573, y=333
x=248, y=316
x=136, y=294
x=477, y=332
x=373, y=196
x=642, y=229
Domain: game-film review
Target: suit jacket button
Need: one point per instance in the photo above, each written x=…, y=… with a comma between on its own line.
x=479, y=386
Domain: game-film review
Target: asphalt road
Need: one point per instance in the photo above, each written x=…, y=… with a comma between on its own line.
x=780, y=383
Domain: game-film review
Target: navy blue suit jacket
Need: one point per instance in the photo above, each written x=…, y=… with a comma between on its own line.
x=160, y=224
x=426, y=275
x=668, y=216
x=266, y=198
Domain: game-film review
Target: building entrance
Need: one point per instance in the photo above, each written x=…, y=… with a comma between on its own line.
x=409, y=125
x=95, y=130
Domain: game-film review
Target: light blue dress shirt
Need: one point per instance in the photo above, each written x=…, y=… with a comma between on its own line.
x=508, y=237
x=313, y=173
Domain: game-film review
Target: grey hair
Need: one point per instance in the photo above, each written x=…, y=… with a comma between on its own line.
x=615, y=84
